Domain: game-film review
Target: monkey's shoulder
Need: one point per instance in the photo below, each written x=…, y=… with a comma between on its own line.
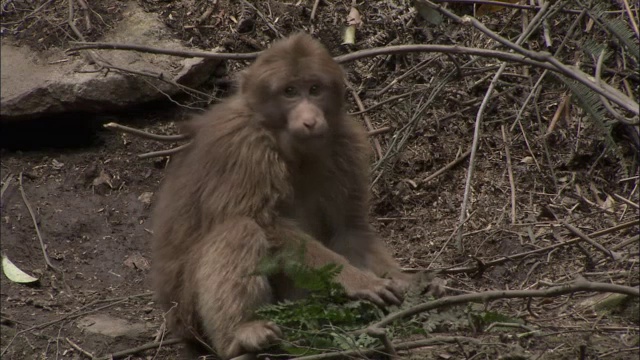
x=228, y=128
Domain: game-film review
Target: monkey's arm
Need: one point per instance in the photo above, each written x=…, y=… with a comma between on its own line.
x=364, y=249
x=357, y=282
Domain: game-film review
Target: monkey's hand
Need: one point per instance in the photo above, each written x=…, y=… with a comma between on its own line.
x=367, y=286
x=254, y=336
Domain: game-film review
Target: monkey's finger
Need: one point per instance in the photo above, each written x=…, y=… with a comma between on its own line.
x=389, y=297
x=395, y=287
x=398, y=292
x=275, y=328
x=373, y=297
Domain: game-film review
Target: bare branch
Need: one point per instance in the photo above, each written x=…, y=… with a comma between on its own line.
x=570, y=288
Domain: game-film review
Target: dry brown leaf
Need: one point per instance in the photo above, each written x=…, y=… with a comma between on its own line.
x=137, y=261
x=354, y=17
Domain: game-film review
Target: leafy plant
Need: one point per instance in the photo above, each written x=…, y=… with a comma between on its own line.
x=321, y=320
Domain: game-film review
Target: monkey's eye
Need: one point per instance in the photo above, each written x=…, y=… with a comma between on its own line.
x=314, y=90
x=290, y=92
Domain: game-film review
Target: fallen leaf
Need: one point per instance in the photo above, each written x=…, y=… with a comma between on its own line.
x=527, y=160
x=14, y=273
x=354, y=17
x=137, y=261
x=608, y=204
x=56, y=164
x=349, y=36
x=428, y=12
x=145, y=197
x=103, y=178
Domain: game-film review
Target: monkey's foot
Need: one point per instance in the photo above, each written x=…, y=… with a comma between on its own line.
x=254, y=336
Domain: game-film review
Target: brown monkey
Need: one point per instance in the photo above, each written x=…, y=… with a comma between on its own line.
x=279, y=163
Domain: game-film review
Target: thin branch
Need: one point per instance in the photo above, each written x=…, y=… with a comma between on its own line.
x=35, y=224
x=101, y=63
x=74, y=315
x=604, y=101
x=486, y=296
x=314, y=9
x=380, y=334
x=502, y=4
x=143, y=134
x=388, y=100
x=162, y=153
x=78, y=348
x=158, y=76
x=97, y=61
x=378, y=131
x=178, y=137
x=605, y=90
x=141, y=348
x=436, y=340
x=264, y=18
x=82, y=45
x=367, y=121
x=446, y=49
x=448, y=166
x=632, y=18
x=626, y=201
x=510, y=172
x=561, y=110
x=456, y=269
x=478, y=124
x=575, y=231
x=424, y=63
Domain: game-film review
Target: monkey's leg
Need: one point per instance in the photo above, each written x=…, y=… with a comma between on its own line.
x=228, y=291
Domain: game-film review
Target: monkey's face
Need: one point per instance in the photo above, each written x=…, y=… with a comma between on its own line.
x=296, y=90
x=301, y=111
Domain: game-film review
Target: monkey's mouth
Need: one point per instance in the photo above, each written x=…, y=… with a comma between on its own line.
x=314, y=135
x=310, y=143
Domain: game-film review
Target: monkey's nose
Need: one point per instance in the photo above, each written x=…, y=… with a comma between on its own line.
x=310, y=123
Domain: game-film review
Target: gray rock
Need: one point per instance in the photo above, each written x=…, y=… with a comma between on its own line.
x=112, y=326
x=35, y=84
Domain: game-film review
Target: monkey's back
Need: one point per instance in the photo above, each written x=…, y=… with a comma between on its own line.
x=230, y=169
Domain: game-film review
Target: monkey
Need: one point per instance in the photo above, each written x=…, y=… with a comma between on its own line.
x=276, y=164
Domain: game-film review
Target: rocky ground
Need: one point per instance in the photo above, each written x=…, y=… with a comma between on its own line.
x=90, y=194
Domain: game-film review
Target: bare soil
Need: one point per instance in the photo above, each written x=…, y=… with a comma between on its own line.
x=89, y=191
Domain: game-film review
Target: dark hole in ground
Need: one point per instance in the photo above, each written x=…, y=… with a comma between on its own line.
x=77, y=130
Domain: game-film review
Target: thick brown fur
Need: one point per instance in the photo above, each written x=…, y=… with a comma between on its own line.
x=279, y=163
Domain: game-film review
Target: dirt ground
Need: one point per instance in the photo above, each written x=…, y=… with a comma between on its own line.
x=91, y=198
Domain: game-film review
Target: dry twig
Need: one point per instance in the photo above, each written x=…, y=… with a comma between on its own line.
x=142, y=133
x=161, y=153
x=478, y=124
x=78, y=348
x=367, y=121
x=527, y=59
x=544, y=57
x=558, y=290
x=456, y=269
x=35, y=225
x=436, y=340
x=510, y=172
x=138, y=349
x=74, y=315
x=450, y=165
x=586, y=238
